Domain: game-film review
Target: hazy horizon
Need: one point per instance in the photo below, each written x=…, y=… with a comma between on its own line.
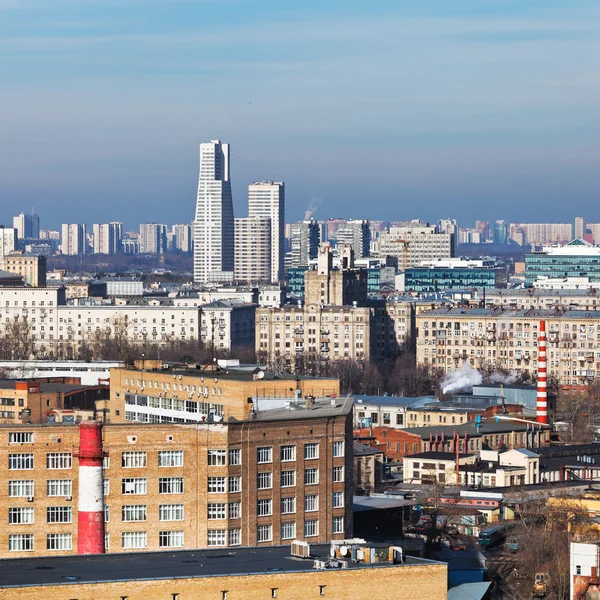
x=387, y=110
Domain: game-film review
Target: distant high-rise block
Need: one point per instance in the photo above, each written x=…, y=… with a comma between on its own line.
x=305, y=242
x=27, y=226
x=253, y=250
x=8, y=240
x=153, y=238
x=266, y=200
x=213, y=223
x=73, y=240
x=108, y=238
x=500, y=232
x=357, y=234
x=182, y=237
x=580, y=228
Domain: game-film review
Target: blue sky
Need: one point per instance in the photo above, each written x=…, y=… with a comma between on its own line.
x=387, y=109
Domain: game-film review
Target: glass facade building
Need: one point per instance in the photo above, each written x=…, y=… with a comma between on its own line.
x=295, y=284
x=568, y=263
x=435, y=279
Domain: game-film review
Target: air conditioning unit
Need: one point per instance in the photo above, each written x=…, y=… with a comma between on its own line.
x=69, y=498
x=301, y=549
x=127, y=389
x=29, y=498
x=320, y=564
x=180, y=377
x=206, y=395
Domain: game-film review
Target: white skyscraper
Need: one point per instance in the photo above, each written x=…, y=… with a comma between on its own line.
x=266, y=199
x=213, y=223
x=153, y=238
x=73, y=240
x=8, y=241
x=107, y=238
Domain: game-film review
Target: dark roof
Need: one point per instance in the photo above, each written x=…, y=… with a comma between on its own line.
x=487, y=426
x=23, y=572
x=438, y=455
x=47, y=388
x=363, y=450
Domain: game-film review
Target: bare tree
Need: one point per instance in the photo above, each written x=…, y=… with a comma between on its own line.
x=17, y=342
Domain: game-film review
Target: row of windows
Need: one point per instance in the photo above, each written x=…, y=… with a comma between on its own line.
x=54, y=460
x=54, y=514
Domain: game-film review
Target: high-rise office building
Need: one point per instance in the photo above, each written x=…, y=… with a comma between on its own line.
x=153, y=238
x=8, y=240
x=580, y=227
x=182, y=237
x=305, y=242
x=73, y=240
x=253, y=250
x=107, y=238
x=27, y=226
x=213, y=223
x=500, y=232
x=266, y=199
x=357, y=234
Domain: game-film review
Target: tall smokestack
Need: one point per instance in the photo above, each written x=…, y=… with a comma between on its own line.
x=90, y=525
x=542, y=391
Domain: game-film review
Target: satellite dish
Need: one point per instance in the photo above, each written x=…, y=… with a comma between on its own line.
x=261, y=375
x=344, y=550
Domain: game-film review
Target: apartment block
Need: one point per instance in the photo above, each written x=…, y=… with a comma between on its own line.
x=252, y=250
x=31, y=267
x=282, y=474
x=8, y=240
x=413, y=243
x=226, y=325
x=74, y=239
x=507, y=339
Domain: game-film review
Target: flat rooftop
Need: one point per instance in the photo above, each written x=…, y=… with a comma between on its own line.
x=222, y=562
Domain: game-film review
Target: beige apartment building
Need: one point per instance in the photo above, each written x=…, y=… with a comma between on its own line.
x=508, y=339
x=31, y=267
x=282, y=474
x=252, y=250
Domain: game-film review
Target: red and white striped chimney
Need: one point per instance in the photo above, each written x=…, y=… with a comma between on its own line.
x=90, y=525
x=542, y=392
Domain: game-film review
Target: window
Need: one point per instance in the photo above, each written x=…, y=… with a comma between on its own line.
x=21, y=542
x=170, y=458
x=59, y=514
x=59, y=541
x=235, y=457
x=216, y=485
x=264, y=481
x=235, y=510
x=338, y=474
x=217, y=511
x=265, y=455
x=311, y=528
x=217, y=537
x=288, y=478
x=288, y=531
x=170, y=539
x=288, y=453
x=59, y=460
x=133, y=460
x=171, y=512
x=235, y=537
x=20, y=462
x=338, y=524
x=311, y=451
x=338, y=500
x=134, y=539
x=134, y=512
x=217, y=458
x=338, y=449
x=20, y=516
x=311, y=503
x=106, y=514
x=106, y=486
x=170, y=485
x=264, y=508
x=133, y=485
x=20, y=488
x=20, y=437
x=321, y=590
x=288, y=505
x=264, y=533
x=311, y=476
x=235, y=484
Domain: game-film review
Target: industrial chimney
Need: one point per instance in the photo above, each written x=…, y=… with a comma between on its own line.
x=542, y=391
x=90, y=525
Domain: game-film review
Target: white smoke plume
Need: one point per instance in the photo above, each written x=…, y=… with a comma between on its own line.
x=462, y=380
x=312, y=207
x=501, y=378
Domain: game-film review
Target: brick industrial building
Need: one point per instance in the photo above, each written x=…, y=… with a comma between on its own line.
x=274, y=476
x=243, y=573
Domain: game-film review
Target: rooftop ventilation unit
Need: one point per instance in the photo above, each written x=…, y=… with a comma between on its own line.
x=300, y=549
